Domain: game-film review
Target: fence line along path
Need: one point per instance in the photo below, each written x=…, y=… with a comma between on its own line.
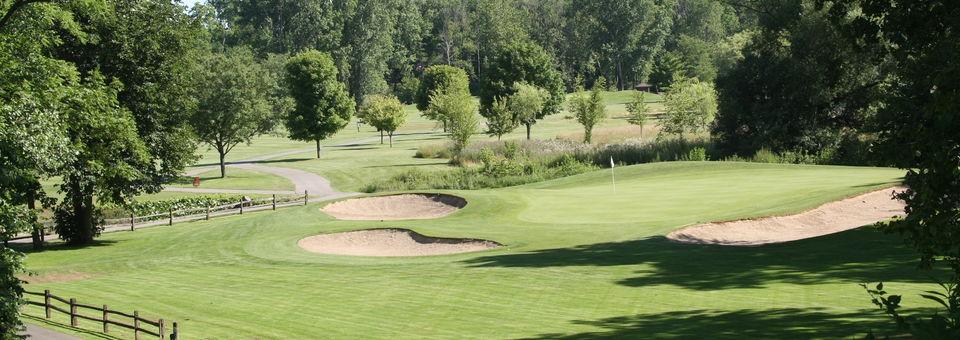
x=104, y=315
x=170, y=217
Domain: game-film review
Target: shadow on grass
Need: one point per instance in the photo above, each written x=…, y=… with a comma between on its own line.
x=788, y=323
x=862, y=255
x=54, y=325
x=264, y=161
x=54, y=246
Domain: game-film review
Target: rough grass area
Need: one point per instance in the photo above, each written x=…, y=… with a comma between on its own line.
x=579, y=261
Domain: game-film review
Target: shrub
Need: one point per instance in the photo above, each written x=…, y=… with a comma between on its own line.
x=696, y=154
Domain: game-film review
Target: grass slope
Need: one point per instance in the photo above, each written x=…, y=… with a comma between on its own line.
x=237, y=179
x=580, y=262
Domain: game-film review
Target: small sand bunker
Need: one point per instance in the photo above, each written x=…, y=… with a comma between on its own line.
x=390, y=242
x=826, y=219
x=395, y=207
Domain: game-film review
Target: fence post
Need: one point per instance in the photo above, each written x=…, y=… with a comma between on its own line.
x=176, y=332
x=46, y=302
x=306, y=197
x=133, y=222
x=73, y=312
x=274, y=201
x=106, y=328
x=171, y=217
x=136, y=325
x=163, y=330
x=208, y=212
x=241, y=206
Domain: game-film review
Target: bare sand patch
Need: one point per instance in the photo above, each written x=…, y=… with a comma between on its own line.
x=826, y=219
x=395, y=207
x=390, y=242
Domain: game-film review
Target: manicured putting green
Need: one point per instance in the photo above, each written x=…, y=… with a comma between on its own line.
x=578, y=261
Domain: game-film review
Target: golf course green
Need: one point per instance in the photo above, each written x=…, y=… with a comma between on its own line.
x=581, y=259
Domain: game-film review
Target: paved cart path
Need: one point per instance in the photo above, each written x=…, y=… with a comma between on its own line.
x=315, y=185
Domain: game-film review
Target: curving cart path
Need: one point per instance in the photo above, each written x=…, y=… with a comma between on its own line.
x=315, y=185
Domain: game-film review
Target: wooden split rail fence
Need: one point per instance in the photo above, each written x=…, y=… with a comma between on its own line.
x=193, y=214
x=139, y=324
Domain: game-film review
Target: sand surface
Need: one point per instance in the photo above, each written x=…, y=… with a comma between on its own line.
x=826, y=219
x=395, y=207
x=390, y=242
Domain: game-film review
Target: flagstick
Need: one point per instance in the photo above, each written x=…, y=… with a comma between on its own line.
x=613, y=177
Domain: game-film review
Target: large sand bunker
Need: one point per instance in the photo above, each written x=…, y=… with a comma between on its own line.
x=395, y=207
x=390, y=242
x=826, y=219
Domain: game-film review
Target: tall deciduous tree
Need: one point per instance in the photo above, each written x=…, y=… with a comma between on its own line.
x=234, y=102
x=526, y=103
x=691, y=107
x=436, y=79
x=153, y=48
x=323, y=106
x=522, y=62
x=588, y=108
x=111, y=161
x=384, y=113
x=919, y=130
x=500, y=119
x=638, y=109
x=460, y=111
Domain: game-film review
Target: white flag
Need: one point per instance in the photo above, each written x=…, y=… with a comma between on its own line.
x=611, y=162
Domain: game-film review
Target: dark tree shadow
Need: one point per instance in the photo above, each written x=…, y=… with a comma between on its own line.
x=789, y=323
x=57, y=245
x=854, y=256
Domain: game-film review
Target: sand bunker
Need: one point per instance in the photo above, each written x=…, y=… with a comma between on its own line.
x=390, y=242
x=826, y=219
x=395, y=207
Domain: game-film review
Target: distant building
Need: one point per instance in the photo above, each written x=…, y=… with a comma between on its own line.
x=644, y=87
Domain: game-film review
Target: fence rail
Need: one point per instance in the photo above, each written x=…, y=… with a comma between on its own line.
x=154, y=327
x=190, y=214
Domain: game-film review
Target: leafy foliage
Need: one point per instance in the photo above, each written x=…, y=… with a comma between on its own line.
x=323, y=106
x=235, y=105
x=522, y=62
x=459, y=110
x=500, y=120
x=691, y=107
x=526, y=103
x=384, y=113
x=589, y=108
x=440, y=78
x=639, y=110
x=111, y=162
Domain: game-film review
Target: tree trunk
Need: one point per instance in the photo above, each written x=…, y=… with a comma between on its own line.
x=444, y=125
x=587, y=134
x=619, y=73
x=528, y=130
x=83, y=215
x=391, y=139
x=223, y=165
x=318, y=148
x=36, y=235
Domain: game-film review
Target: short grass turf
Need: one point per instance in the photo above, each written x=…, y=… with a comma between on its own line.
x=237, y=179
x=580, y=262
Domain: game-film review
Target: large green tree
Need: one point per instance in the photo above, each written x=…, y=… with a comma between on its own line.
x=111, y=162
x=522, y=62
x=802, y=86
x=525, y=104
x=919, y=130
x=153, y=48
x=323, y=105
x=437, y=79
x=234, y=102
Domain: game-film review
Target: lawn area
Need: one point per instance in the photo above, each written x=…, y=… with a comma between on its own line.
x=237, y=179
x=580, y=262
